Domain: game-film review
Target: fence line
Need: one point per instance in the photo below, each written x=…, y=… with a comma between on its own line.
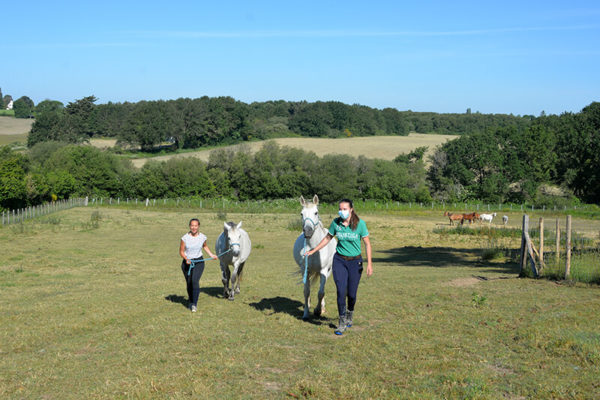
x=20, y=215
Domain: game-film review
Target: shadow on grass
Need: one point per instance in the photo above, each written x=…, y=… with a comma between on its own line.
x=291, y=307
x=175, y=298
x=214, y=291
x=438, y=257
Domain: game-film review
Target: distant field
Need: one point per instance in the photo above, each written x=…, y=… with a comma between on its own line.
x=103, y=143
x=384, y=147
x=14, y=129
x=15, y=126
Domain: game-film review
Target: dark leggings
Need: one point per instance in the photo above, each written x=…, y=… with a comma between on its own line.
x=346, y=275
x=193, y=280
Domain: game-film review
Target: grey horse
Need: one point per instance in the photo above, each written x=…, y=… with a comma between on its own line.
x=233, y=247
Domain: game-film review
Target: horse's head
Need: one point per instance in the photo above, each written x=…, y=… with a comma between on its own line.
x=234, y=236
x=310, y=216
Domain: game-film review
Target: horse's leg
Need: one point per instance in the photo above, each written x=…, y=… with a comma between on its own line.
x=239, y=277
x=234, y=280
x=225, y=279
x=320, y=309
x=306, y=299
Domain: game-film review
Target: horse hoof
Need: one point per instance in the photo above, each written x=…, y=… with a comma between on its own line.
x=230, y=298
x=237, y=291
x=318, y=313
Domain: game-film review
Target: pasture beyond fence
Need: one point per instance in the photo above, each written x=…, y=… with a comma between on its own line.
x=557, y=265
x=277, y=206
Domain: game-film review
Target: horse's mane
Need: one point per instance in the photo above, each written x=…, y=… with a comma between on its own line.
x=231, y=224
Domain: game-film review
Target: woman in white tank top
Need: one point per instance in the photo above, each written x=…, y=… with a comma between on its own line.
x=190, y=249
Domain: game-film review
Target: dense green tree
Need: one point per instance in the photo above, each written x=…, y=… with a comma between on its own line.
x=47, y=127
x=23, y=107
x=78, y=118
x=49, y=106
x=13, y=186
x=148, y=125
x=95, y=172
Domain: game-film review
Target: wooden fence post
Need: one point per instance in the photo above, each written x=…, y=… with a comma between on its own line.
x=557, y=256
x=568, y=249
x=524, y=244
x=541, y=242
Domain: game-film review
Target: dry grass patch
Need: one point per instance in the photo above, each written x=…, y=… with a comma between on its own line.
x=15, y=126
x=384, y=147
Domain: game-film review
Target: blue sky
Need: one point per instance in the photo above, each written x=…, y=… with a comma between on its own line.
x=443, y=56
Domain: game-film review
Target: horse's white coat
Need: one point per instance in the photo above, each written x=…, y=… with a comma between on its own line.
x=236, y=239
x=320, y=263
x=487, y=217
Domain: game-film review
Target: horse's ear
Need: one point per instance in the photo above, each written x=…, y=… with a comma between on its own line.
x=316, y=200
x=225, y=225
x=302, y=201
x=239, y=225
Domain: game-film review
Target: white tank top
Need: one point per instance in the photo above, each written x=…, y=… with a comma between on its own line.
x=193, y=245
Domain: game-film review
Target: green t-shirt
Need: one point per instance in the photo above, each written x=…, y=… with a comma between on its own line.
x=348, y=240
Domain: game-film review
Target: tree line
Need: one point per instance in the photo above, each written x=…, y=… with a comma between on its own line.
x=556, y=158
x=549, y=159
x=207, y=121
x=57, y=170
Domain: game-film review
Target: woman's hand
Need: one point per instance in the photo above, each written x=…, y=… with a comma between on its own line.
x=187, y=261
x=369, y=269
x=214, y=257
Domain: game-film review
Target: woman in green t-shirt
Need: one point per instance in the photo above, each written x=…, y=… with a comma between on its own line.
x=347, y=261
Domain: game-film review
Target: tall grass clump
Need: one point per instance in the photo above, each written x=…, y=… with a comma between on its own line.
x=482, y=231
x=585, y=266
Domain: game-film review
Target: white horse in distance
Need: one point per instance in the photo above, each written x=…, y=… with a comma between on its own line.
x=235, y=243
x=320, y=263
x=487, y=217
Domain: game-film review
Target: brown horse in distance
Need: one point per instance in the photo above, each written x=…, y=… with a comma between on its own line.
x=469, y=217
x=453, y=217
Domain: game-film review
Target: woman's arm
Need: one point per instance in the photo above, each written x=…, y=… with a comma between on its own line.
x=369, y=263
x=322, y=244
x=182, y=252
x=207, y=249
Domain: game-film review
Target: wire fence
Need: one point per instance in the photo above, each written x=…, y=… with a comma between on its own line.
x=571, y=255
x=22, y=214
x=280, y=206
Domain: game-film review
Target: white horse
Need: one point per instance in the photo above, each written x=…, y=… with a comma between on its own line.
x=487, y=217
x=318, y=264
x=233, y=247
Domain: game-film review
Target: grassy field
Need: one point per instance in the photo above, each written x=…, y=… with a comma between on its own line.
x=92, y=305
x=14, y=129
x=384, y=147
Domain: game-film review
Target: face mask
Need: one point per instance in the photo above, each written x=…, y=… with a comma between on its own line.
x=344, y=214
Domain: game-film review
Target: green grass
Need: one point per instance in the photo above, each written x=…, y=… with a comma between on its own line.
x=100, y=313
x=7, y=113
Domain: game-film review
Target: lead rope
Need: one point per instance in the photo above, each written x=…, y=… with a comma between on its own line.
x=305, y=249
x=305, y=263
x=194, y=262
